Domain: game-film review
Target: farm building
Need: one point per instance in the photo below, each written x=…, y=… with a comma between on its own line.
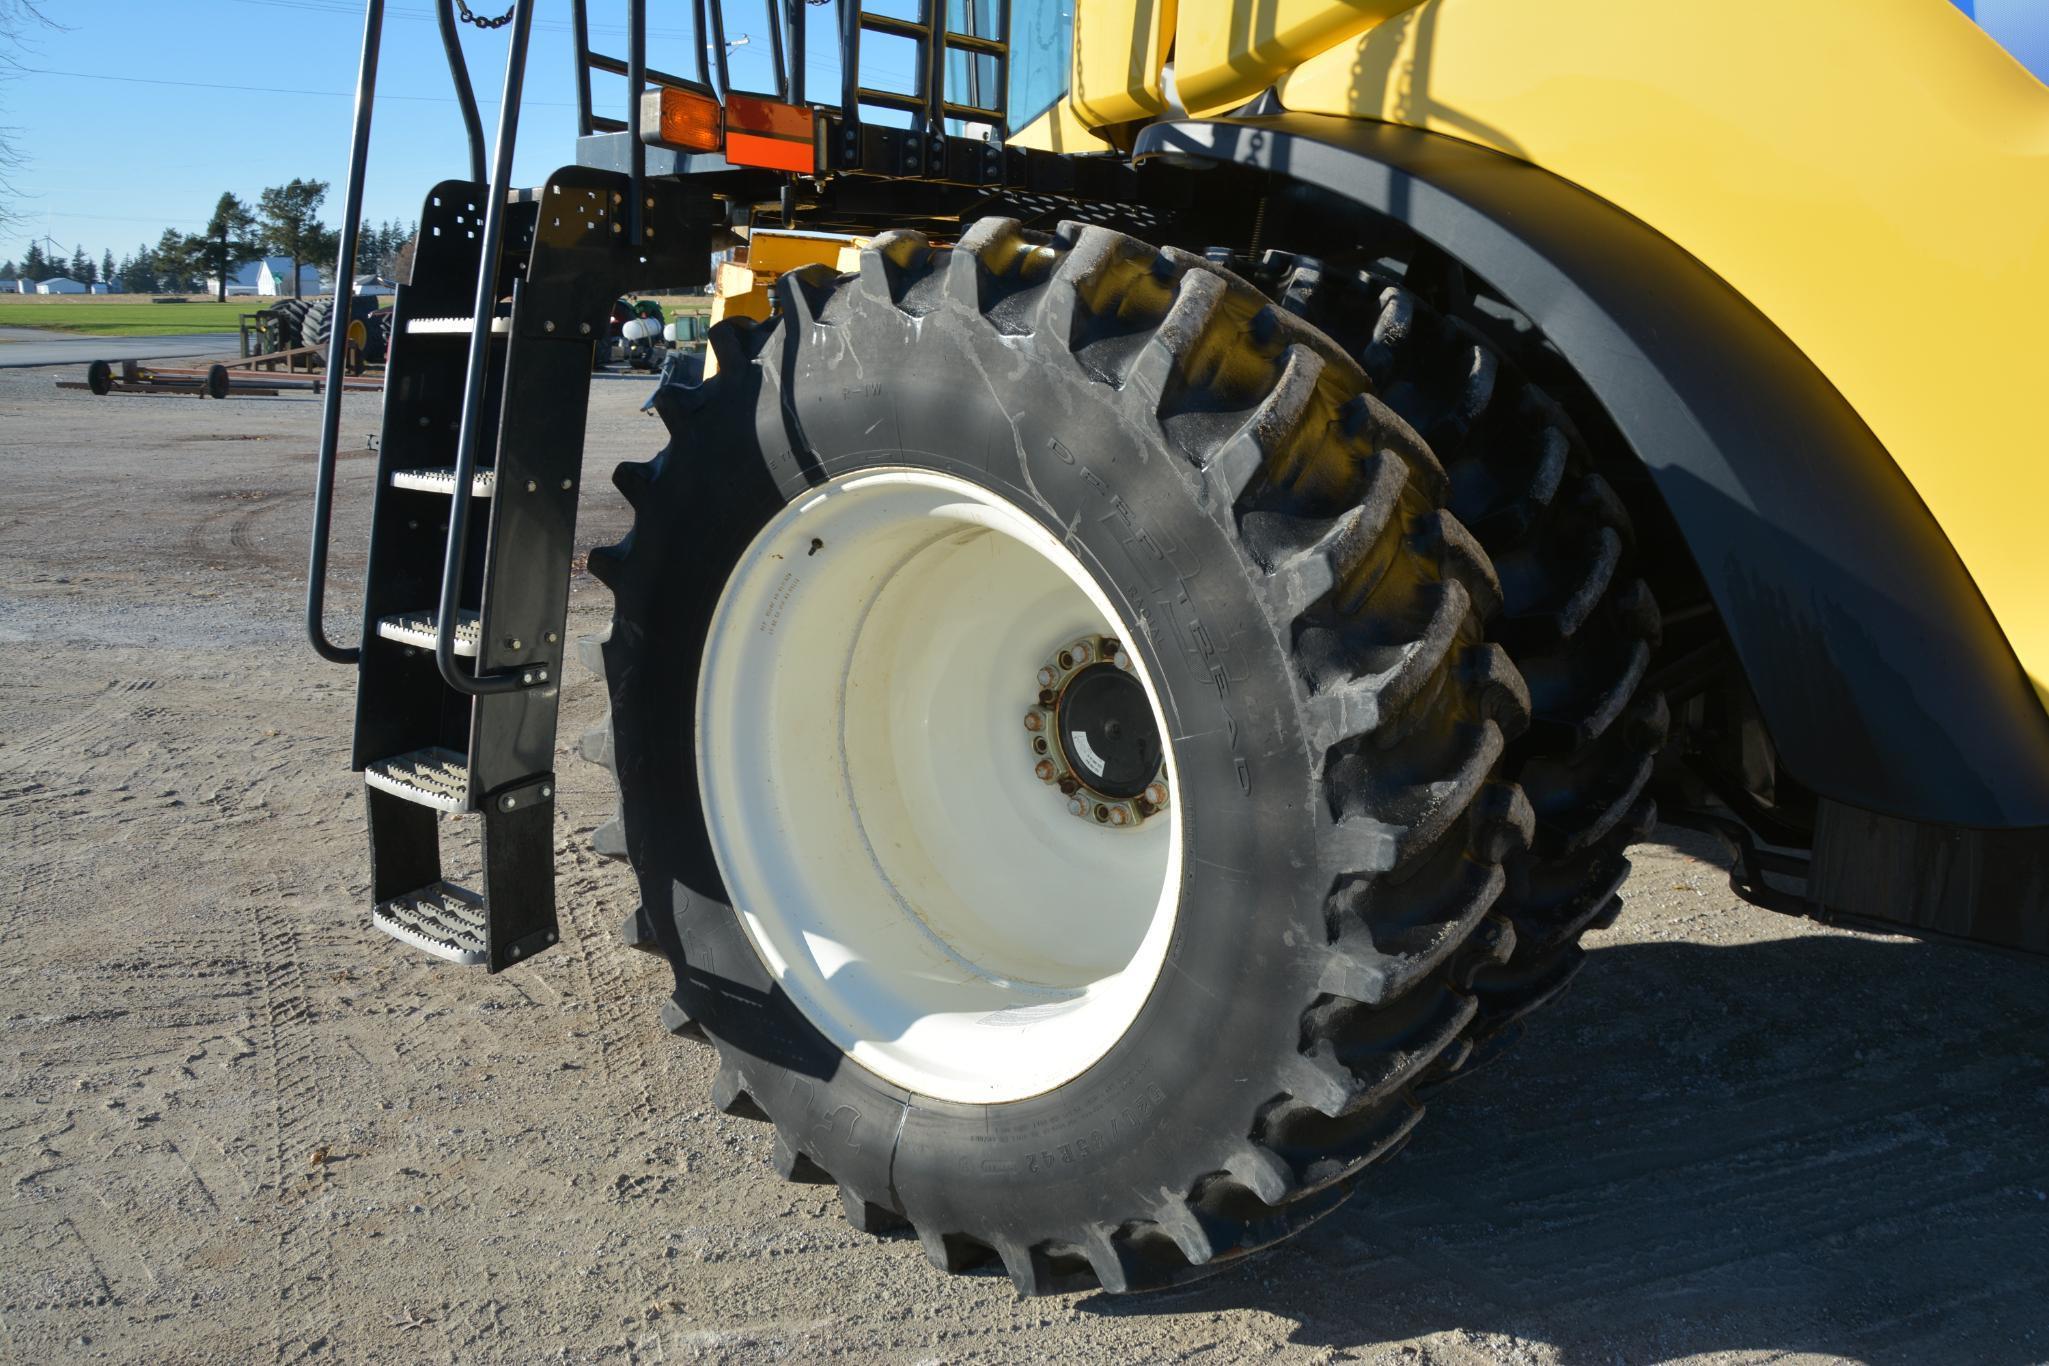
x=269, y=277
x=60, y=285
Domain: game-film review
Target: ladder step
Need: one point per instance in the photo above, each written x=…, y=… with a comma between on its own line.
x=418, y=326
x=482, y=484
x=443, y=919
x=437, y=777
x=417, y=628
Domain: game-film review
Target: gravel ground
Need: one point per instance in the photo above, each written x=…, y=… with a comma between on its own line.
x=237, y=1124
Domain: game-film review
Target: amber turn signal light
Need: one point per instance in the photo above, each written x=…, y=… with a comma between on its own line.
x=682, y=119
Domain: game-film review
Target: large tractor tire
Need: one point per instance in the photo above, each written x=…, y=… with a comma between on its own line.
x=1577, y=618
x=1055, y=723
x=317, y=324
x=290, y=318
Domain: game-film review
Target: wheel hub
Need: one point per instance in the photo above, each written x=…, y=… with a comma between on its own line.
x=1093, y=737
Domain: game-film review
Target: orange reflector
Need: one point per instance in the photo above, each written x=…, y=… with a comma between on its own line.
x=682, y=119
x=763, y=133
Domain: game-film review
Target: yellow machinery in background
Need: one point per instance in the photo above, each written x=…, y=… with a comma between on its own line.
x=744, y=284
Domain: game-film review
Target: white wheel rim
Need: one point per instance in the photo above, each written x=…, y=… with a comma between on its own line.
x=925, y=899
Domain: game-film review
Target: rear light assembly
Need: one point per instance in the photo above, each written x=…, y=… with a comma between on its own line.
x=749, y=130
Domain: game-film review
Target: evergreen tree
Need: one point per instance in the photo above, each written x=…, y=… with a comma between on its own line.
x=107, y=268
x=289, y=215
x=81, y=266
x=173, y=263
x=33, y=265
x=227, y=242
x=8, y=271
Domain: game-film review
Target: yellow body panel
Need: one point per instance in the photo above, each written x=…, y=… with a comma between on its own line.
x=1059, y=129
x=1227, y=51
x=1120, y=47
x=1872, y=175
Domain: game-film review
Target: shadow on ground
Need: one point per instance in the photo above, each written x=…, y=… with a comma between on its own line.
x=1819, y=1143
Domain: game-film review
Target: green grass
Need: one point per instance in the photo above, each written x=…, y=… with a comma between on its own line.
x=122, y=315
x=130, y=315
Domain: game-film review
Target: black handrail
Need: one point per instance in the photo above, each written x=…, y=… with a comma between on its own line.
x=465, y=95
x=796, y=10
x=636, y=150
x=337, y=346
x=475, y=384
x=579, y=11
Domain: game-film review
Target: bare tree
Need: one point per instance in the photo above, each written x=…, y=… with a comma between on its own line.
x=17, y=19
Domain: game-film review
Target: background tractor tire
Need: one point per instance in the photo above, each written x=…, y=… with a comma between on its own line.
x=1314, y=622
x=316, y=324
x=1577, y=618
x=289, y=316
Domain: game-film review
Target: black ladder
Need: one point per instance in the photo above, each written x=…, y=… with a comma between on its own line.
x=486, y=391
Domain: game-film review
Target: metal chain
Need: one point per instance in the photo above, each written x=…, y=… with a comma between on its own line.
x=500, y=22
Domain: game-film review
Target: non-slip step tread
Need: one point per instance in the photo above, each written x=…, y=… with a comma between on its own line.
x=417, y=628
x=437, y=777
x=483, y=483
x=444, y=920
x=499, y=326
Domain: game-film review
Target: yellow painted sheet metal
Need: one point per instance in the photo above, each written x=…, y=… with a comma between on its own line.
x=1059, y=129
x=1873, y=175
x=1120, y=47
x=1227, y=51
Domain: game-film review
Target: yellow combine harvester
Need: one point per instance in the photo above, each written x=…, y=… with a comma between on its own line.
x=1211, y=524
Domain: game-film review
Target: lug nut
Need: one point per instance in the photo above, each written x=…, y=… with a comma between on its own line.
x=1081, y=651
x=1044, y=768
x=1110, y=647
x=1046, y=696
x=1076, y=807
x=1046, y=677
x=1033, y=721
x=1156, y=793
x=1118, y=816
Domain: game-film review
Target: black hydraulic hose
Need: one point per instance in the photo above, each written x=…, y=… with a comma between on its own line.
x=465, y=96
x=474, y=385
x=337, y=346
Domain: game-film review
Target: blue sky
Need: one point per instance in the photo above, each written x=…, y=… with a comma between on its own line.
x=116, y=154
x=112, y=163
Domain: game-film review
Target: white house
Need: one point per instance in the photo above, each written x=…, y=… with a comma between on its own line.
x=60, y=285
x=269, y=277
x=274, y=277
x=101, y=287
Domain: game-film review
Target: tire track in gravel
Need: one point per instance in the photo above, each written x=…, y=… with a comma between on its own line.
x=240, y=550
x=303, y=1318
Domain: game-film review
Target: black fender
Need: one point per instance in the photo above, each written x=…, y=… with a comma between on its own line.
x=1884, y=678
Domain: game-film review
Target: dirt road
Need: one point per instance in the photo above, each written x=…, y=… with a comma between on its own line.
x=236, y=1124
